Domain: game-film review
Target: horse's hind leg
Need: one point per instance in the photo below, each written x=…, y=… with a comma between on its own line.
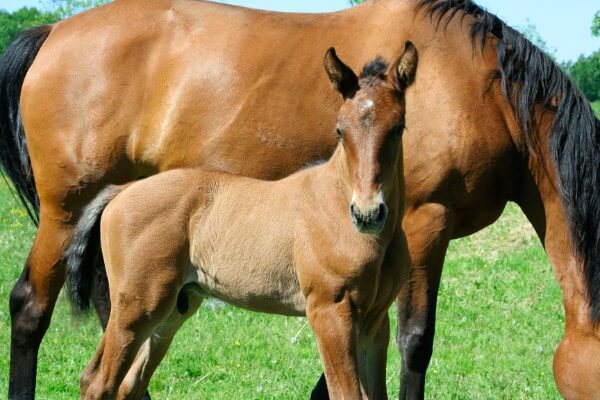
x=428, y=231
x=32, y=301
x=100, y=292
x=320, y=391
x=155, y=347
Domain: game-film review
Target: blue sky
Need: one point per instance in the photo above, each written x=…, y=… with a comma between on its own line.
x=565, y=26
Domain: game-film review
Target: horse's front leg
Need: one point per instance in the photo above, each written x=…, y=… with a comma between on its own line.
x=576, y=363
x=428, y=231
x=334, y=328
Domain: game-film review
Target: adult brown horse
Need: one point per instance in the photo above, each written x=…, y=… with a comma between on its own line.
x=136, y=87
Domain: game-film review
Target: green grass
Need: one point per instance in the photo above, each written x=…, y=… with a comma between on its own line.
x=500, y=319
x=596, y=107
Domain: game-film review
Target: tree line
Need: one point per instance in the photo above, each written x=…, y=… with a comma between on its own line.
x=585, y=70
x=11, y=23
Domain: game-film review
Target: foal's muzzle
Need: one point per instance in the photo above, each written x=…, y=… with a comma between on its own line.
x=371, y=220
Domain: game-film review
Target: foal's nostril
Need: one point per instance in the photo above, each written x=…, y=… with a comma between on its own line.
x=371, y=221
x=381, y=212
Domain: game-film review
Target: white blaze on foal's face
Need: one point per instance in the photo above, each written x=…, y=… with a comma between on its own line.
x=367, y=104
x=372, y=142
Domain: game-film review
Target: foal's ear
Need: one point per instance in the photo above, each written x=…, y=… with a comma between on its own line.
x=342, y=78
x=402, y=72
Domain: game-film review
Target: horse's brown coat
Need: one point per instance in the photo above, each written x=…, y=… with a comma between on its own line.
x=137, y=87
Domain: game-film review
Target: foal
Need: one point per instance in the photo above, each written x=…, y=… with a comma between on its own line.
x=325, y=242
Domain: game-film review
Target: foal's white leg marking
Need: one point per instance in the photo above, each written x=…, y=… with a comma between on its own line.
x=146, y=361
x=139, y=365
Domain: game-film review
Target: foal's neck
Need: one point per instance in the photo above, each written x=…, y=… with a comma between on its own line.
x=335, y=172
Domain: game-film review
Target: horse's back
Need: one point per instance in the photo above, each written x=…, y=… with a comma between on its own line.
x=114, y=97
x=134, y=87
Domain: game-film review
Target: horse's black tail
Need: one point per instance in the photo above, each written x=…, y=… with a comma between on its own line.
x=14, y=157
x=83, y=257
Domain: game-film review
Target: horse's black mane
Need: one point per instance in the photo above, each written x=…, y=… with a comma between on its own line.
x=530, y=78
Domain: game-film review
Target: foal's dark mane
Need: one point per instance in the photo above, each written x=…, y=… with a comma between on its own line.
x=373, y=72
x=374, y=68
x=530, y=78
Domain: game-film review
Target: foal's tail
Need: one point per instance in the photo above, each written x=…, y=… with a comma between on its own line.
x=14, y=157
x=83, y=257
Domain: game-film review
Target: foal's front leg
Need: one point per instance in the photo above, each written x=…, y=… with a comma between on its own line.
x=333, y=326
x=373, y=366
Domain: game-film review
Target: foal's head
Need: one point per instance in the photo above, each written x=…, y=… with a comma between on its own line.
x=370, y=125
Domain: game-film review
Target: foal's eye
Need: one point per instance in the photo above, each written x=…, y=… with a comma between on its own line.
x=397, y=131
x=339, y=132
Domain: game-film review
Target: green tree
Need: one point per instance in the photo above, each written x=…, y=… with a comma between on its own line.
x=66, y=8
x=13, y=23
x=586, y=72
x=530, y=32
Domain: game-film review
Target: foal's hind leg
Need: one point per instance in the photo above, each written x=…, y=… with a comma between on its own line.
x=428, y=231
x=101, y=302
x=133, y=318
x=155, y=347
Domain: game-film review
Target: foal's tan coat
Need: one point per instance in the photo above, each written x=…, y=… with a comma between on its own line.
x=288, y=247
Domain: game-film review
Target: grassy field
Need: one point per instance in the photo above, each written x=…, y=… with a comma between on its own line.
x=596, y=107
x=500, y=319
